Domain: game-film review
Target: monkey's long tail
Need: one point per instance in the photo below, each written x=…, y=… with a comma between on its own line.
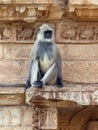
x=12, y=85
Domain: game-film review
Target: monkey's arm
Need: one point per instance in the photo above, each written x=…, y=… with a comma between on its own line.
x=59, y=78
x=28, y=84
x=59, y=65
x=31, y=62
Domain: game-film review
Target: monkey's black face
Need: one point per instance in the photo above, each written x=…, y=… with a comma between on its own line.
x=48, y=34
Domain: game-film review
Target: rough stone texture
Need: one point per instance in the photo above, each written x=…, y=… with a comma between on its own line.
x=79, y=52
x=93, y=125
x=12, y=96
x=80, y=71
x=17, y=51
x=10, y=116
x=19, y=32
x=14, y=117
x=27, y=116
x=16, y=128
x=67, y=100
x=24, y=1
x=43, y=1
x=14, y=71
x=1, y=51
x=83, y=9
x=79, y=94
x=6, y=1
x=77, y=32
x=83, y=2
x=30, y=11
x=51, y=108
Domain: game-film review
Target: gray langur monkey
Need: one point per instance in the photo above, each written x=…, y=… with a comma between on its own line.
x=45, y=67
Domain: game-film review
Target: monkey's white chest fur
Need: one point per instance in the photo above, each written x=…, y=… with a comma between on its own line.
x=46, y=63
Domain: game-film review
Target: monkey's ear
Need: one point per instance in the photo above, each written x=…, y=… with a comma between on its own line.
x=36, y=32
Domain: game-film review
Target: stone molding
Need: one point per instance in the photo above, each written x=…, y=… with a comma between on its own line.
x=83, y=9
x=12, y=96
x=67, y=32
x=29, y=10
x=44, y=118
x=65, y=118
x=18, y=32
x=77, y=32
x=50, y=105
x=22, y=12
x=51, y=96
x=26, y=1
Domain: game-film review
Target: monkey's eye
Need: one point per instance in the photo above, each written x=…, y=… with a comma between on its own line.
x=47, y=34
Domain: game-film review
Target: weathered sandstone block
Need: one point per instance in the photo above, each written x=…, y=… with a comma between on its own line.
x=12, y=96
x=43, y=1
x=24, y=1
x=70, y=95
x=1, y=51
x=17, y=51
x=6, y=1
x=27, y=116
x=10, y=116
x=16, y=128
x=83, y=2
x=80, y=71
x=11, y=71
x=78, y=51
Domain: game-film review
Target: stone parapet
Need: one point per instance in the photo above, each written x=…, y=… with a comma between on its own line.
x=29, y=10
x=12, y=96
x=84, y=9
x=26, y=1
x=69, y=95
x=50, y=96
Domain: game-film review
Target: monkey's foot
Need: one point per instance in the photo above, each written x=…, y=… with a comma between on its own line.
x=59, y=83
x=28, y=84
x=39, y=84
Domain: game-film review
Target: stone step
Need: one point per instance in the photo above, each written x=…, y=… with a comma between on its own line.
x=70, y=94
x=12, y=96
x=51, y=96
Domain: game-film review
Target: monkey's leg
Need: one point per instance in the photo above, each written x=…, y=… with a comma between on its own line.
x=59, y=78
x=34, y=72
x=50, y=75
x=28, y=83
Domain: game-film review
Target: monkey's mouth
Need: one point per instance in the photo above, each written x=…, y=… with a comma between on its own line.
x=48, y=34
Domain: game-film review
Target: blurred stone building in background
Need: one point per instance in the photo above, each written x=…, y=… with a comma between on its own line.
x=73, y=107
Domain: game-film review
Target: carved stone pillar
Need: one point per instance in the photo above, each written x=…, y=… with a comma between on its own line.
x=61, y=109
x=44, y=118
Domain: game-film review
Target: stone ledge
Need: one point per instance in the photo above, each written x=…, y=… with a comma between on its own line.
x=83, y=2
x=84, y=9
x=52, y=96
x=26, y=1
x=12, y=96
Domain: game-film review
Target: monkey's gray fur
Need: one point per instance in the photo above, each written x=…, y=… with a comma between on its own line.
x=45, y=67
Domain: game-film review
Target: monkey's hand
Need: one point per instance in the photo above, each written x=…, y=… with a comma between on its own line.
x=59, y=83
x=28, y=84
x=39, y=84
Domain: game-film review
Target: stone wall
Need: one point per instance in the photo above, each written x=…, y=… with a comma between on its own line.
x=76, y=35
x=15, y=118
